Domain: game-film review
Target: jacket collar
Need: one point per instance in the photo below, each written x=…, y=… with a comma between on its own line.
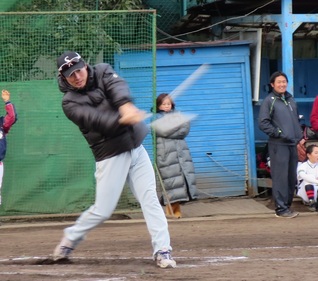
x=286, y=94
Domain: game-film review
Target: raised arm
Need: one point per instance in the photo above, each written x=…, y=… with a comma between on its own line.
x=11, y=116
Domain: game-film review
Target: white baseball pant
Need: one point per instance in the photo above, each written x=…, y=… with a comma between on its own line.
x=111, y=175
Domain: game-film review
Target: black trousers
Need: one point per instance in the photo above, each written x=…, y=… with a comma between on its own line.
x=284, y=161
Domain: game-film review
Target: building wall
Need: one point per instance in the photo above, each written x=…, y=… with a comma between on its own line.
x=221, y=139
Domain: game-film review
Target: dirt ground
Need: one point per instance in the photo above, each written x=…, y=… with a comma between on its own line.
x=258, y=248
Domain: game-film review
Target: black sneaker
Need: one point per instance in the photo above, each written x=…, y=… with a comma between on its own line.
x=288, y=215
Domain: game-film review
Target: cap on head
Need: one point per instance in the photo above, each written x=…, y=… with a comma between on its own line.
x=69, y=62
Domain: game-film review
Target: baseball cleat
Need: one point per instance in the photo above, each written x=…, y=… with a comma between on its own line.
x=63, y=249
x=164, y=259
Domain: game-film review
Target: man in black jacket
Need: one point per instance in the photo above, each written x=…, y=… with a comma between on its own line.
x=279, y=119
x=98, y=101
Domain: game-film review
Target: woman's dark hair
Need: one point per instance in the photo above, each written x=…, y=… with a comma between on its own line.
x=160, y=99
x=276, y=74
x=310, y=148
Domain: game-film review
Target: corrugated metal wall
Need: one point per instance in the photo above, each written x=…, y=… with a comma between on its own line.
x=221, y=139
x=138, y=70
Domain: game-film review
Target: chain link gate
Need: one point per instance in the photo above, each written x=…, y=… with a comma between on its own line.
x=49, y=167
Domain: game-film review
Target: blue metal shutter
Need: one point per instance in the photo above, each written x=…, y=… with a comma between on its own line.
x=218, y=99
x=137, y=69
x=221, y=139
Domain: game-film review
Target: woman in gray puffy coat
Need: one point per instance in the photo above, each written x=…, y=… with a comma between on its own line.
x=174, y=160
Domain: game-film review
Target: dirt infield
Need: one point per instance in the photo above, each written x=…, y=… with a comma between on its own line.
x=258, y=248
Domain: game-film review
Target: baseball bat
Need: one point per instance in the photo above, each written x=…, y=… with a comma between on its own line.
x=185, y=84
x=189, y=81
x=164, y=190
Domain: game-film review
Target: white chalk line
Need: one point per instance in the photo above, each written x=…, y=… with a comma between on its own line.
x=55, y=274
x=201, y=261
x=26, y=258
x=84, y=275
x=268, y=248
x=257, y=248
x=212, y=258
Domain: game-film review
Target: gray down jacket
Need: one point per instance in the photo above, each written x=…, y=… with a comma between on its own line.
x=174, y=161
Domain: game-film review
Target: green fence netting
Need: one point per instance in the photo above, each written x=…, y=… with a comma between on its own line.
x=49, y=168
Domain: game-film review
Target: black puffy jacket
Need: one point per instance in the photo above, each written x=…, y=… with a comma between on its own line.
x=95, y=111
x=278, y=118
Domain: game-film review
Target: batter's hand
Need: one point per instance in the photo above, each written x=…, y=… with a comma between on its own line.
x=130, y=114
x=5, y=95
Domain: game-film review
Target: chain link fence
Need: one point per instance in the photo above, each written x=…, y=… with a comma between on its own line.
x=49, y=167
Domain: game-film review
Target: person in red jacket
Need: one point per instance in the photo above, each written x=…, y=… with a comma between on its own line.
x=314, y=115
x=6, y=123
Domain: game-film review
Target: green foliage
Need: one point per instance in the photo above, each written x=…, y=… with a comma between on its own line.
x=80, y=5
x=27, y=37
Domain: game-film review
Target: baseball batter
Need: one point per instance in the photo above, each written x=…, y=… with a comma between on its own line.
x=98, y=101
